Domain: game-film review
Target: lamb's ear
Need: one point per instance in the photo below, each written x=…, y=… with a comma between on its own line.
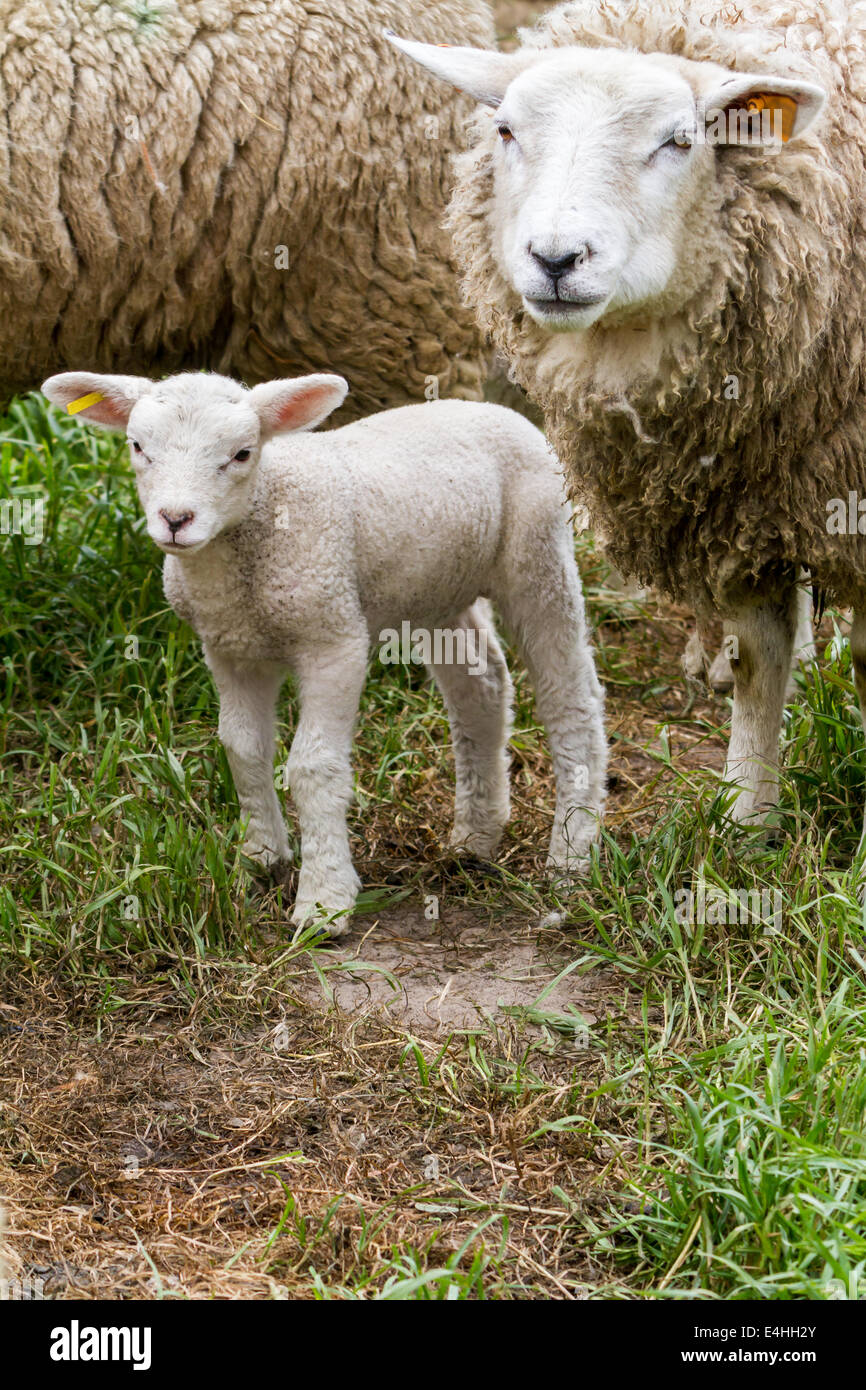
x=759, y=110
x=478, y=72
x=297, y=405
x=100, y=400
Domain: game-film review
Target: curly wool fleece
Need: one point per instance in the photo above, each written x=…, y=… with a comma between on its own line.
x=252, y=185
x=699, y=490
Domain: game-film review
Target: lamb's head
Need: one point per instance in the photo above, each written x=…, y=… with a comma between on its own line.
x=195, y=440
x=605, y=164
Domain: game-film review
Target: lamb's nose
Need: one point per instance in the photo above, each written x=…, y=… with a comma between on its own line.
x=557, y=266
x=175, y=521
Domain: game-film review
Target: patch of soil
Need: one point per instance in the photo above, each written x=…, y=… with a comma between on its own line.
x=430, y=976
x=225, y=1147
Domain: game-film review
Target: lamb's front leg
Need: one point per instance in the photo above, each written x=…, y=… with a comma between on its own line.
x=762, y=661
x=248, y=697
x=330, y=681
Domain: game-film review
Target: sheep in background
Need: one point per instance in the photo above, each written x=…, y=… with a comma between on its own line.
x=287, y=550
x=252, y=185
x=661, y=227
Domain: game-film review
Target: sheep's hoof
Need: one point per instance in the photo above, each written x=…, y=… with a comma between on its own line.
x=762, y=820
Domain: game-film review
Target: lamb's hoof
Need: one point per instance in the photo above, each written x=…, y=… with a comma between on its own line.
x=274, y=861
x=326, y=901
x=328, y=921
x=563, y=876
x=273, y=873
x=476, y=844
x=567, y=865
x=463, y=861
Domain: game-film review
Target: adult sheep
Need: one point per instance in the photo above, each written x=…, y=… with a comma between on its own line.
x=252, y=185
x=661, y=225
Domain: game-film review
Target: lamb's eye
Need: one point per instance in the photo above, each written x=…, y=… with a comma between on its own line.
x=241, y=456
x=136, y=447
x=506, y=134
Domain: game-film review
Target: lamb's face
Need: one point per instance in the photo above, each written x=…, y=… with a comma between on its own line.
x=195, y=440
x=605, y=168
x=195, y=444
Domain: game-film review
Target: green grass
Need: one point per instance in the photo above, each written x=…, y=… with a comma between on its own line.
x=728, y=1095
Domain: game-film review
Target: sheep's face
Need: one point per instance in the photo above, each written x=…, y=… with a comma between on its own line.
x=195, y=440
x=605, y=168
x=594, y=170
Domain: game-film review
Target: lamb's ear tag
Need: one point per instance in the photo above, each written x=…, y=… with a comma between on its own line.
x=783, y=109
x=74, y=407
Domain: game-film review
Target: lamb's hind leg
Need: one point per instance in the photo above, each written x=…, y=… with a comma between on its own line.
x=542, y=604
x=477, y=695
x=762, y=662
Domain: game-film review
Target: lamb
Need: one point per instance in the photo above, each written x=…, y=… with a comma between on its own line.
x=288, y=550
x=251, y=185
x=660, y=225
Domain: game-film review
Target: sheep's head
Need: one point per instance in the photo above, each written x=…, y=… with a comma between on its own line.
x=605, y=166
x=195, y=440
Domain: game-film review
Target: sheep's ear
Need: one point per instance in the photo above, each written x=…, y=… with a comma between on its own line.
x=478, y=72
x=760, y=110
x=297, y=405
x=100, y=400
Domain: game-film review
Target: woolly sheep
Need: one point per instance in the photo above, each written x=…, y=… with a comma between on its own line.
x=290, y=550
x=661, y=226
x=252, y=185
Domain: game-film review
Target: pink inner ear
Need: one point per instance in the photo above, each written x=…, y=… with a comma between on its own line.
x=112, y=410
x=303, y=405
x=108, y=412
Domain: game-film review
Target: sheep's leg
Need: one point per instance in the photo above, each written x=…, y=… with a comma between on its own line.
x=721, y=672
x=804, y=634
x=542, y=604
x=858, y=661
x=694, y=658
x=762, y=664
x=248, y=697
x=477, y=695
x=330, y=682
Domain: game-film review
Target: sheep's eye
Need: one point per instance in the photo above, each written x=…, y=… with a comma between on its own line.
x=135, y=445
x=506, y=134
x=241, y=456
x=679, y=139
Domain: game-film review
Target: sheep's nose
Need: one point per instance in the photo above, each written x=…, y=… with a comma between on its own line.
x=557, y=266
x=175, y=521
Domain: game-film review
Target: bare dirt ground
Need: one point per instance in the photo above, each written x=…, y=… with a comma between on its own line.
x=156, y=1158
x=459, y=972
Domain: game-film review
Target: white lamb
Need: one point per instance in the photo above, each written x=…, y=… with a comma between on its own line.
x=288, y=550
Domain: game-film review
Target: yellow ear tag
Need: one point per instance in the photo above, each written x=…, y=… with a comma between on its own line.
x=785, y=107
x=83, y=402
